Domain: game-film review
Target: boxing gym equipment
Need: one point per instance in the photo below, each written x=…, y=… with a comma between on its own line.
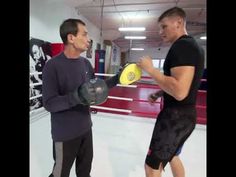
x=93, y=92
x=130, y=74
x=132, y=100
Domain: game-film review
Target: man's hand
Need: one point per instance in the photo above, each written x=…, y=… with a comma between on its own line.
x=154, y=96
x=146, y=64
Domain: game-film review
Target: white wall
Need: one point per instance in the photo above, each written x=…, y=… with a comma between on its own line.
x=46, y=17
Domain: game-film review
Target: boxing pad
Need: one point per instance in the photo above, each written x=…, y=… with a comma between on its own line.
x=93, y=92
x=129, y=74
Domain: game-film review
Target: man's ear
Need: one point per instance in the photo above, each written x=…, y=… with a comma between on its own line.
x=70, y=38
x=180, y=21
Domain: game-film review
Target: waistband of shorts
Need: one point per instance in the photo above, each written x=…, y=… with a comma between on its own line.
x=186, y=106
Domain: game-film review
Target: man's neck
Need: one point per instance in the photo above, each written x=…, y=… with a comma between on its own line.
x=180, y=34
x=71, y=53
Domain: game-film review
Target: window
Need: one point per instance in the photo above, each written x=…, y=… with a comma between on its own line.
x=158, y=63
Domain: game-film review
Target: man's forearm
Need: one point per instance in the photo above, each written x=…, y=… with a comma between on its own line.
x=112, y=81
x=159, y=93
x=166, y=83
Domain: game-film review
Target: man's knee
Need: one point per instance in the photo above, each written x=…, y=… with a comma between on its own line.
x=150, y=172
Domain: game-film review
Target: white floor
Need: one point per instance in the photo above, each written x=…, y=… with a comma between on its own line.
x=120, y=146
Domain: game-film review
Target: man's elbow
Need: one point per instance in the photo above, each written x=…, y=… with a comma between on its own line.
x=50, y=109
x=181, y=96
x=47, y=106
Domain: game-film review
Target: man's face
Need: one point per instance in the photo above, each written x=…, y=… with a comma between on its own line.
x=81, y=41
x=169, y=28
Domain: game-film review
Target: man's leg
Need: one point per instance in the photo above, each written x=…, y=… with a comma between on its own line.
x=150, y=172
x=64, y=154
x=85, y=156
x=177, y=167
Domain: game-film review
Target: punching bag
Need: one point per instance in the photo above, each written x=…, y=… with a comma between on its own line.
x=100, y=61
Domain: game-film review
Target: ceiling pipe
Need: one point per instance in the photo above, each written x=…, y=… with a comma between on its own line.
x=128, y=4
x=146, y=10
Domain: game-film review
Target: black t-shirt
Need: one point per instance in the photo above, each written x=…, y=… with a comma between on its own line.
x=185, y=52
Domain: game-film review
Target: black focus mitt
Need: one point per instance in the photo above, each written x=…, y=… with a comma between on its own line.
x=93, y=92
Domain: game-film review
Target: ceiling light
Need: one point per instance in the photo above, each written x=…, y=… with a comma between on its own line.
x=135, y=37
x=137, y=48
x=132, y=29
x=203, y=37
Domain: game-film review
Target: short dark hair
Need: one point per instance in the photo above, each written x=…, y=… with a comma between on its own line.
x=69, y=26
x=175, y=11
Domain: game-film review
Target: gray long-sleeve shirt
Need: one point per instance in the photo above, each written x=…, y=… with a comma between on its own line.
x=61, y=77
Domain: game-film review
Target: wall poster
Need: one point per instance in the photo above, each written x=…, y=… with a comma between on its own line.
x=39, y=53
